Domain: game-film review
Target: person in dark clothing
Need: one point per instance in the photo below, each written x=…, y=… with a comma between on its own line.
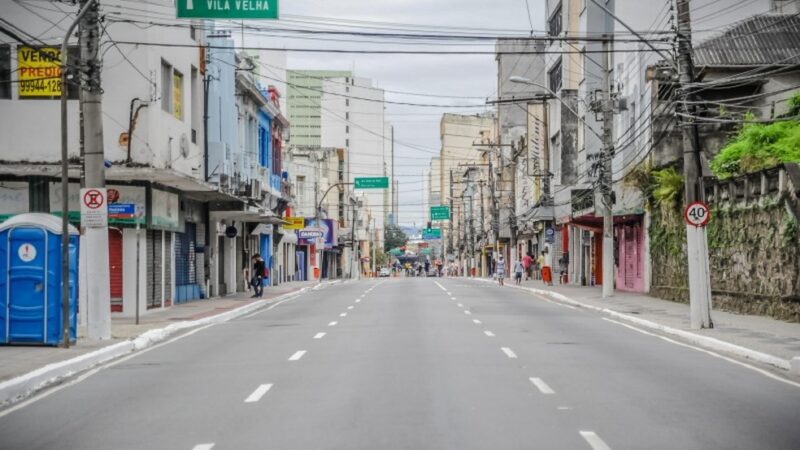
x=258, y=276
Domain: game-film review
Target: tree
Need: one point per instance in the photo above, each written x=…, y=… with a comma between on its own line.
x=393, y=237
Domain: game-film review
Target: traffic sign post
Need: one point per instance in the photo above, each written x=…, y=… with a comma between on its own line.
x=372, y=183
x=227, y=9
x=697, y=214
x=94, y=211
x=440, y=212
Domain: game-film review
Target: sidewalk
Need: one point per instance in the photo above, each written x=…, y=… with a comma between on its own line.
x=20, y=360
x=759, y=333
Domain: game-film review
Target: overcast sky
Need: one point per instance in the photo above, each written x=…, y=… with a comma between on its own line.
x=458, y=75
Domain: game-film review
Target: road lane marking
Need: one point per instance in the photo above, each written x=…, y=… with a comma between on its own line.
x=319, y=335
x=258, y=393
x=467, y=312
x=440, y=286
x=460, y=305
x=333, y=324
x=453, y=298
x=708, y=352
x=510, y=353
x=358, y=300
x=343, y=315
x=488, y=333
x=563, y=408
x=208, y=446
x=542, y=386
x=297, y=355
x=448, y=293
x=594, y=440
x=476, y=321
x=350, y=307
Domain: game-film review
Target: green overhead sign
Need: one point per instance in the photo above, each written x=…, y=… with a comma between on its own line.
x=372, y=183
x=440, y=213
x=431, y=233
x=228, y=9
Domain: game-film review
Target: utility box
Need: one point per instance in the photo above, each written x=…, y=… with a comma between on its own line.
x=30, y=280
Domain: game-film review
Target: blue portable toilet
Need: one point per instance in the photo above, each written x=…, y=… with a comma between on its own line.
x=30, y=280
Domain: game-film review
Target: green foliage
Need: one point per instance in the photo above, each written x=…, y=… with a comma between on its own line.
x=393, y=237
x=789, y=230
x=759, y=146
x=667, y=186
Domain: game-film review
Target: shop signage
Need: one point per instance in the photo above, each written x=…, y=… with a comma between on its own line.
x=549, y=235
x=231, y=231
x=121, y=210
x=39, y=72
x=372, y=183
x=440, y=212
x=228, y=9
x=310, y=233
x=295, y=223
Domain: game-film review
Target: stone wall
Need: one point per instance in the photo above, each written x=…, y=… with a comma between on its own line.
x=754, y=251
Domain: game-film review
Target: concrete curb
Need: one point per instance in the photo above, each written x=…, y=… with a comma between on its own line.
x=19, y=388
x=696, y=339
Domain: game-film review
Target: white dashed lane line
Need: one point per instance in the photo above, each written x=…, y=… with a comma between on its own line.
x=510, y=353
x=258, y=393
x=350, y=307
x=319, y=335
x=343, y=315
x=488, y=333
x=594, y=440
x=542, y=386
x=332, y=324
x=358, y=300
x=467, y=312
x=460, y=305
x=476, y=321
x=208, y=446
x=297, y=355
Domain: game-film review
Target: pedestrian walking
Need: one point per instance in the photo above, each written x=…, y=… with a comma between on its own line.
x=518, y=269
x=501, y=270
x=527, y=262
x=259, y=269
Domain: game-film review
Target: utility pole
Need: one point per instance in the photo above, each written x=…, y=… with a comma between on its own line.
x=96, y=238
x=495, y=210
x=483, y=231
x=450, y=233
x=696, y=238
x=605, y=185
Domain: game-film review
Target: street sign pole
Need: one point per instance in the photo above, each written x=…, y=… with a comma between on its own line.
x=138, y=235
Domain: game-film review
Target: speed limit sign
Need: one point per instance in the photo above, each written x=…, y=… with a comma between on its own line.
x=697, y=214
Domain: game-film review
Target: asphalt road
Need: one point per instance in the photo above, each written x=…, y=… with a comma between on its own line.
x=415, y=364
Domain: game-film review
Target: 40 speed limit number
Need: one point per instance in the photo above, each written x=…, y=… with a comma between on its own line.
x=697, y=214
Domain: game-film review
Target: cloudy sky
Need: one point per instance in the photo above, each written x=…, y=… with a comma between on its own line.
x=446, y=75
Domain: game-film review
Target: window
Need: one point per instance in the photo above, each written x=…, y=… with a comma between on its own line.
x=347, y=102
x=347, y=116
x=347, y=143
x=555, y=158
x=554, y=25
x=554, y=76
x=347, y=128
x=166, y=86
x=196, y=106
x=5, y=71
x=177, y=94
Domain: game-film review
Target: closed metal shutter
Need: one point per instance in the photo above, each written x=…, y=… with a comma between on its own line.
x=154, y=279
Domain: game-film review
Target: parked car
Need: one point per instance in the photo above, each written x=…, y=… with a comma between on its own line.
x=384, y=272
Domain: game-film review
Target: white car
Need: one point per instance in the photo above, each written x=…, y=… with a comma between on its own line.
x=384, y=272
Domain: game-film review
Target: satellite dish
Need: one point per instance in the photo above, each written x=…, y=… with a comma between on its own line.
x=184, y=146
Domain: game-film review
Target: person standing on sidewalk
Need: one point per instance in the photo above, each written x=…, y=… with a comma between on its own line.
x=518, y=269
x=501, y=269
x=547, y=266
x=258, y=276
x=527, y=261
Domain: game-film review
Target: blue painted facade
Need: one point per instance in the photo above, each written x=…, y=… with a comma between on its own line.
x=222, y=114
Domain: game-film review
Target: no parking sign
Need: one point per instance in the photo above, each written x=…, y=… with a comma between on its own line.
x=94, y=208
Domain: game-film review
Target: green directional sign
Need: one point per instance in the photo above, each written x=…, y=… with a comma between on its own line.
x=431, y=233
x=372, y=183
x=228, y=9
x=440, y=212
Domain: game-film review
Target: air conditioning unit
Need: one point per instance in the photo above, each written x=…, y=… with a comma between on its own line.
x=254, y=189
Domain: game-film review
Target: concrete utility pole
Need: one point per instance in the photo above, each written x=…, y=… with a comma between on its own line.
x=96, y=238
x=450, y=233
x=696, y=239
x=512, y=216
x=495, y=210
x=65, y=175
x=605, y=185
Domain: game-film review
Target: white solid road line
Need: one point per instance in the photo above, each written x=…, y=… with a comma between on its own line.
x=708, y=352
x=594, y=440
x=350, y=307
x=476, y=321
x=203, y=446
x=510, y=353
x=343, y=315
x=332, y=324
x=488, y=333
x=542, y=386
x=319, y=335
x=258, y=393
x=297, y=355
